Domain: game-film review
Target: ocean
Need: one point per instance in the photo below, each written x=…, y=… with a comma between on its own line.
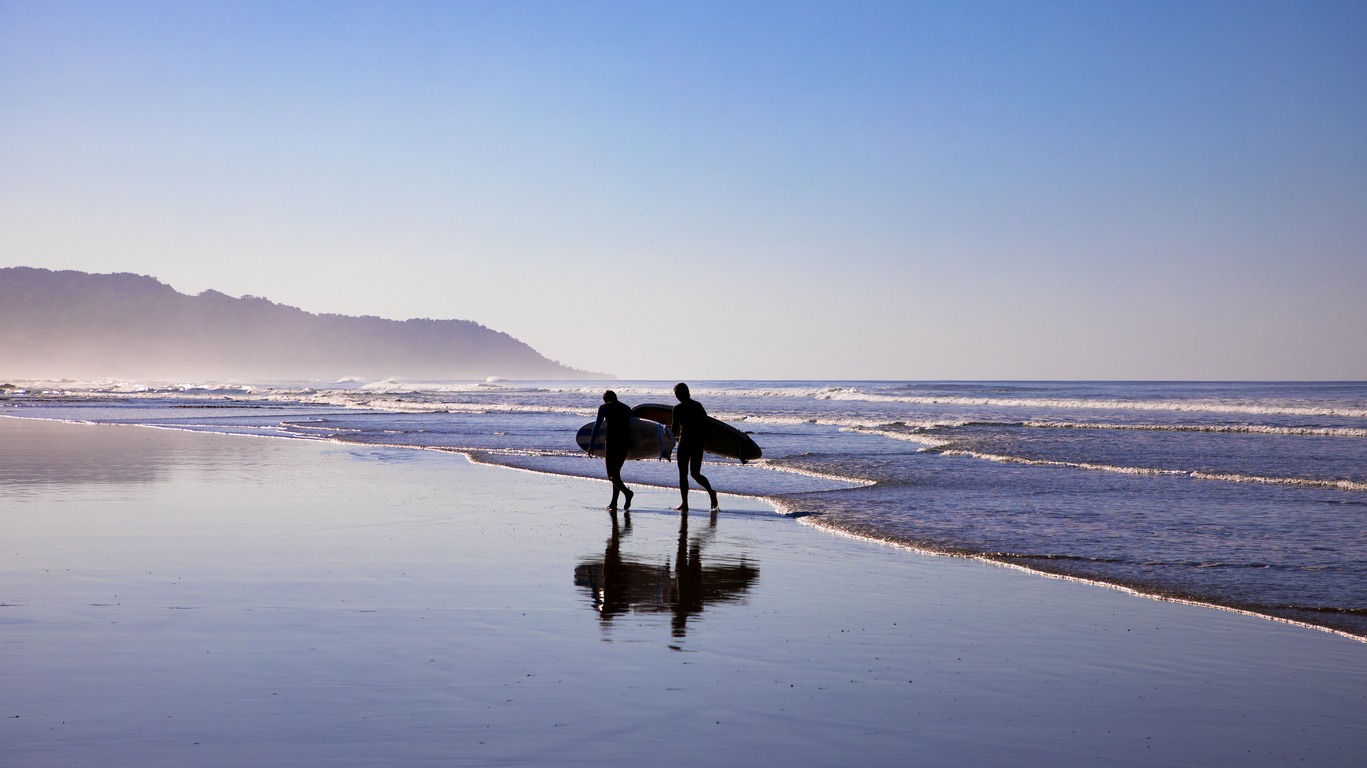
x=1243, y=496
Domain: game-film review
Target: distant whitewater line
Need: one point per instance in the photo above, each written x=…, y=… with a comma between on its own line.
x=1190, y=406
x=1238, y=429
x=760, y=390
x=383, y=395
x=1230, y=429
x=1297, y=482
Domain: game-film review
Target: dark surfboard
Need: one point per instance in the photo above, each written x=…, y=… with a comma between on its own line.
x=722, y=438
x=649, y=439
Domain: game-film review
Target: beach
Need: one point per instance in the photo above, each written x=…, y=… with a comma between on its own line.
x=172, y=598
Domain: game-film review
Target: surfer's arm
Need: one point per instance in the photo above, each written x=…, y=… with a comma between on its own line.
x=593, y=436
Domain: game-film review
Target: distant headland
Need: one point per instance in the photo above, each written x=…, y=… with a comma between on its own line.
x=77, y=325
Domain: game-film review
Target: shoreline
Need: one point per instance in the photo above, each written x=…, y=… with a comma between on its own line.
x=1112, y=585
x=813, y=521
x=477, y=456
x=174, y=598
x=1124, y=588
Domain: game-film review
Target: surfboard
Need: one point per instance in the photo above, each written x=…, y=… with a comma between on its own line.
x=722, y=438
x=649, y=439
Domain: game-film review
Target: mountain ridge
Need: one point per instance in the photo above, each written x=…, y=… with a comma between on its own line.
x=72, y=324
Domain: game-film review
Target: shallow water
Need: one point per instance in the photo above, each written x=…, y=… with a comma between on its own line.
x=1245, y=495
x=230, y=601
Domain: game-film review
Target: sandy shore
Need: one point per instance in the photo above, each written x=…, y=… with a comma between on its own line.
x=174, y=599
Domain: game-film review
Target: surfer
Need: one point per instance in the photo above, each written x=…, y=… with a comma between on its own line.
x=617, y=417
x=690, y=427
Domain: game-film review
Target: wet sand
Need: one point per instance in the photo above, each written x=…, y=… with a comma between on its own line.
x=171, y=599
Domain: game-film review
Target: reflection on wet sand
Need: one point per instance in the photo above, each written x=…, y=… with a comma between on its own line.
x=621, y=585
x=38, y=453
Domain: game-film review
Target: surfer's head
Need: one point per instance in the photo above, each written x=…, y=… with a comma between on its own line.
x=681, y=391
x=609, y=396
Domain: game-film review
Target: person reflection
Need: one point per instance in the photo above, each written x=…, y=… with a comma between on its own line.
x=612, y=593
x=688, y=596
x=621, y=585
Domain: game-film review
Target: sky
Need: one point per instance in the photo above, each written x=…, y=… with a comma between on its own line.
x=699, y=190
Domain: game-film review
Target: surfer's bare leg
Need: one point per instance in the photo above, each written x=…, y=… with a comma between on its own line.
x=614, y=465
x=695, y=466
x=707, y=487
x=683, y=483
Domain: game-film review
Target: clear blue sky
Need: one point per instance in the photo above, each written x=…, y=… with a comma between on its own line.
x=721, y=190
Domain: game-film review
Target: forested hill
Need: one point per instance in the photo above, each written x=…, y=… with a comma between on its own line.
x=77, y=325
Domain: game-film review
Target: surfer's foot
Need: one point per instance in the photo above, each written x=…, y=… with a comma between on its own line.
x=612, y=507
x=681, y=508
x=715, y=507
x=627, y=505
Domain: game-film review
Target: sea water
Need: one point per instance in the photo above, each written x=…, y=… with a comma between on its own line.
x=1248, y=496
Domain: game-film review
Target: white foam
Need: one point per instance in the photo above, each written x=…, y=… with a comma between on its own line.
x=853, y=393
x=1299, y=482
x=1249, y=429
x=850, y=481
x=1182, y=406
x=399, y=405
x=392, y=386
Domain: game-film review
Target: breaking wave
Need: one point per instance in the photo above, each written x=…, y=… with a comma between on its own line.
x=1234, y=429
x=1183, y=406
x=1297, y=482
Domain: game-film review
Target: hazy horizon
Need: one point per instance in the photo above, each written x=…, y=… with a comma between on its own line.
x=884, y=191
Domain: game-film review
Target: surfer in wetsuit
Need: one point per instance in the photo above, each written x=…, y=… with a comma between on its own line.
x=616, y=417
x=690, y=427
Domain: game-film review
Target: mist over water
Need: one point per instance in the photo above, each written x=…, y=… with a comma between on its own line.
x=1248, y=496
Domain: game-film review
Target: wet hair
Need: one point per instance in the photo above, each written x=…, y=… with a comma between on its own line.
x=681, y=391
x=609, y=396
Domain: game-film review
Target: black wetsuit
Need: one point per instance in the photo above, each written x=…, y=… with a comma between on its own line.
x=690, y=427
x=689, y=423
x=617, y=416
